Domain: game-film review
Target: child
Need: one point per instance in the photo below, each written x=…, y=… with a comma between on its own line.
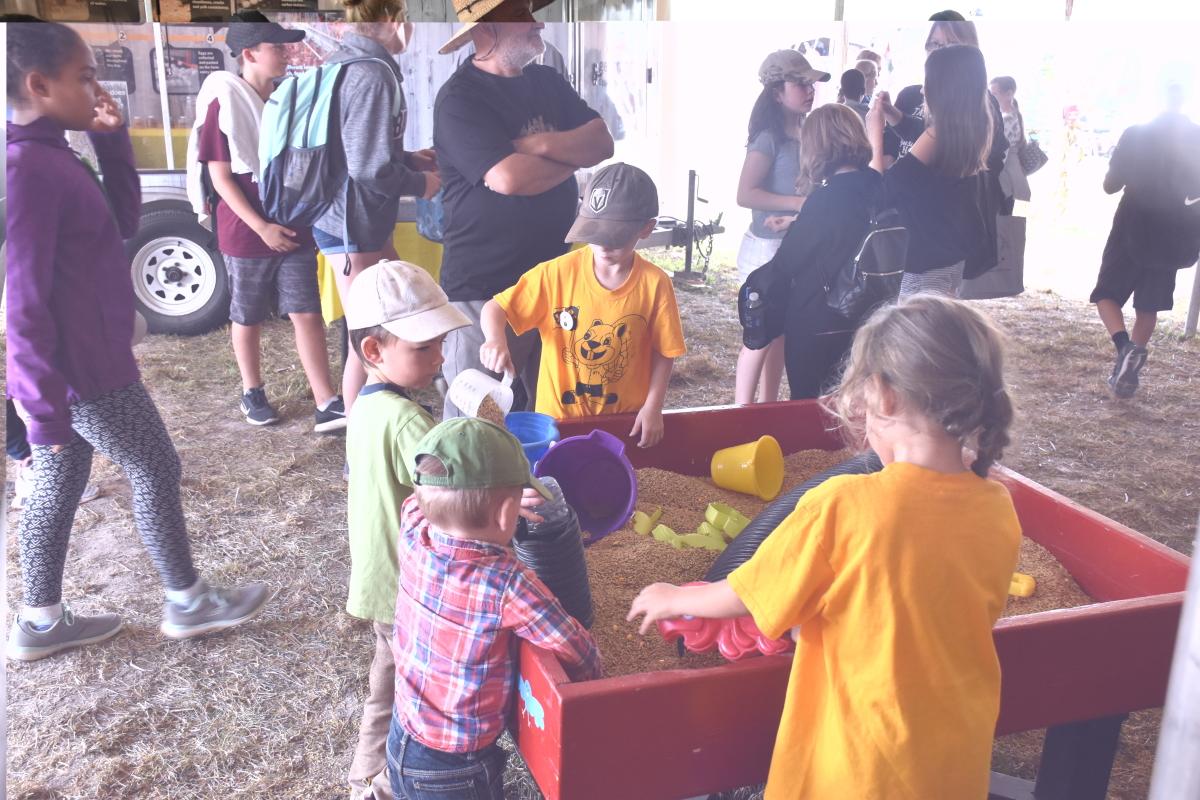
x=397, y=318
x=894, y=579
x=941, y=187
x=842, y=192
x=356, y=230
x=463, y=597
x=71, y=370
x=767, y=186
x=268, y=264
x=607, y=317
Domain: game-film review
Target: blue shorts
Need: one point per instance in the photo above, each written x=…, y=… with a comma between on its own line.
x=333, y=245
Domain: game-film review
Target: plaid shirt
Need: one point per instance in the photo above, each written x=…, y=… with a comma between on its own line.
x=460, y=603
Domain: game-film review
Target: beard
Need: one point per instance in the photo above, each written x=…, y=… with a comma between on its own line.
x=520, y=52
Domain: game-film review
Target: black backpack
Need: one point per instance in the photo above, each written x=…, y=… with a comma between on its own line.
x=871, y=278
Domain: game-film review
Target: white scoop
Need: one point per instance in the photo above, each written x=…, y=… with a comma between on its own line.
x=471, y=387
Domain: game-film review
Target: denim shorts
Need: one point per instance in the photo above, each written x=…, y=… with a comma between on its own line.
x=331, y=245
x=422, y=773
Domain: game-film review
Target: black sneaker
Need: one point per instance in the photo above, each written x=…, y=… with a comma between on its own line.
x=332, y=418
x=1124, y=378
x=256, y=408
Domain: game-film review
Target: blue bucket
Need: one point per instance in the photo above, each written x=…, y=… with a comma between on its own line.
x=536, y=432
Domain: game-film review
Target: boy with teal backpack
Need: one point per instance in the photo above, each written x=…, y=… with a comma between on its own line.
x=271, y=264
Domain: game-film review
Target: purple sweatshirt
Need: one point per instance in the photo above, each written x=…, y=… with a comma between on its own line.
x=70, y=294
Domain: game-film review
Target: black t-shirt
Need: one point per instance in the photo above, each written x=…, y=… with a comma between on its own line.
x=492, y=239
x=945, y=217
x=1159, y=165
x=825, y=236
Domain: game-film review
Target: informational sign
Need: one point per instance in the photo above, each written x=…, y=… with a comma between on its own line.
x=120, y=93
x=90, y=10
x=116, y=64
x=187, y=68
x=303, y=6
x=192, y=10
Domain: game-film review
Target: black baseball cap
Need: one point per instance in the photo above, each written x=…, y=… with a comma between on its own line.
x=619, y=200
x=251, y=28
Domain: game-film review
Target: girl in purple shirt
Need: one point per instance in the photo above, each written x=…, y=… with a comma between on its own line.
x=71, y=370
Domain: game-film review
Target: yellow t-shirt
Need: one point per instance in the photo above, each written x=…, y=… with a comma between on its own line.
x=895, y=579
x=596, y=343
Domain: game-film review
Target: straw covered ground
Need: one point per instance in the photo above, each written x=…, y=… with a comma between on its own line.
x=272, y=710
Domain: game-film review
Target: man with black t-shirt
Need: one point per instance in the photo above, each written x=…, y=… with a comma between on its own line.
x=509, y=136
x=1155, y=231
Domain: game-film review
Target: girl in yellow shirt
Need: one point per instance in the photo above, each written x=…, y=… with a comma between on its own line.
x=890, y=582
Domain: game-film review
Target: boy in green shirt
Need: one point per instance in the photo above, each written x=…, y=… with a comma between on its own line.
x=397, y=317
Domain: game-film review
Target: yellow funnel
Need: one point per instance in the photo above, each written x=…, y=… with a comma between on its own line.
x=753, y=468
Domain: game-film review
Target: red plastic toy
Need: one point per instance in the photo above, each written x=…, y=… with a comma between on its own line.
x=735, y=638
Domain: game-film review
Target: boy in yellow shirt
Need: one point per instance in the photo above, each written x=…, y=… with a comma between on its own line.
x=607, y=317
x=890, y=582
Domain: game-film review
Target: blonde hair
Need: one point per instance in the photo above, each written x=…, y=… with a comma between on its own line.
x=464, y=509
x=376, y=10
x=833, y=137
x=944, y=360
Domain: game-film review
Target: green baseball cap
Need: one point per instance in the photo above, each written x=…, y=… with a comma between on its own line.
x=478, y=455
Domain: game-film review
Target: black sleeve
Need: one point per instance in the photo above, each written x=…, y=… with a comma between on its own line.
x=907, y=102
x=800, y=250
x=995, y=160
x=570, y=108
x=891, y=142
x=468, y=140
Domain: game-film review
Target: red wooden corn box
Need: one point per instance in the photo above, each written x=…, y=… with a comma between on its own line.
x=680, y=733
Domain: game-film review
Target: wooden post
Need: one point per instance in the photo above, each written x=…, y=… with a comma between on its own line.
x=1193, y=315
x=1177, y=763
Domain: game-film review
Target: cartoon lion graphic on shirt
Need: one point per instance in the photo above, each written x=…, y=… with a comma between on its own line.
x=601, y=353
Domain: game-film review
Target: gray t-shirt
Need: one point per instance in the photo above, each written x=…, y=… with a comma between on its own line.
x=785, y=168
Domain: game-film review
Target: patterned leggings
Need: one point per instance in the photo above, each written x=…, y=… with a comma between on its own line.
x=125, y=426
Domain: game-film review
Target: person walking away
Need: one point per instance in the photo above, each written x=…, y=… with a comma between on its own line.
x=70, y=365
x=1155, y=232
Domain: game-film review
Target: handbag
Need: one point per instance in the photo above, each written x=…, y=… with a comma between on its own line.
x=1032, y=156
x=762, y=304
x=872, y=277
x=1007, y=278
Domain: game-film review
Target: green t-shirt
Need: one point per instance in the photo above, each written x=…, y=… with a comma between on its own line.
x=381, y=440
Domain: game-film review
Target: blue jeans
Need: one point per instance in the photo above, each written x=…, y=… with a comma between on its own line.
x=422, y=773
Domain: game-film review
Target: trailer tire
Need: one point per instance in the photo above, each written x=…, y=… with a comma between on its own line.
x=179, y=278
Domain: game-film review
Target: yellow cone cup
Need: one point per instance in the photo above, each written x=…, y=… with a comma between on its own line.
x=753, y=468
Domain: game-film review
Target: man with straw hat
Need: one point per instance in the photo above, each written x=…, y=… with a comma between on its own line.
x=472, y=12
x=509, y=136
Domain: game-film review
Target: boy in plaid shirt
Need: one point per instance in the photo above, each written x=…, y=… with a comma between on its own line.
x=463, y=596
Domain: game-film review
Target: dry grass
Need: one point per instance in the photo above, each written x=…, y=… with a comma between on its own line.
x=272, y=710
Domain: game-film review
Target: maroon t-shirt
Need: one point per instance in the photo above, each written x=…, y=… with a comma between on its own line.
x=234, y=237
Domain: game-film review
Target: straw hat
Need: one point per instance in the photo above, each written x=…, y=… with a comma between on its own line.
x=470, y=12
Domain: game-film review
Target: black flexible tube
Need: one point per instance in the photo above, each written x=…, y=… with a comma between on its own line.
x=554, y=550
x=748, y=541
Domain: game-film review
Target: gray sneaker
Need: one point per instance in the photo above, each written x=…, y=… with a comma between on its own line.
x=214, y=610
x=26, y=643
x=1124, y=379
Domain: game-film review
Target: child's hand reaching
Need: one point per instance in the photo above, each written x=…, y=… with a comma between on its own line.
x=530, y=499
x=648, y=425
x=656, y=601
x=108, y=117
x=494, y=355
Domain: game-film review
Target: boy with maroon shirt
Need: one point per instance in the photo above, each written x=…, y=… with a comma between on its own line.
x=265, y=262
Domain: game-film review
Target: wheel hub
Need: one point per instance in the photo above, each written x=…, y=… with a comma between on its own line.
x=173, y=277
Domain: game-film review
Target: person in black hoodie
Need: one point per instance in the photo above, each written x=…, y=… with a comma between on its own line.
x=940, y=187
x=841, y=190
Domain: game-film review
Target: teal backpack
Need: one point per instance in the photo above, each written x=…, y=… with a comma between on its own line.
x=300, y=153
